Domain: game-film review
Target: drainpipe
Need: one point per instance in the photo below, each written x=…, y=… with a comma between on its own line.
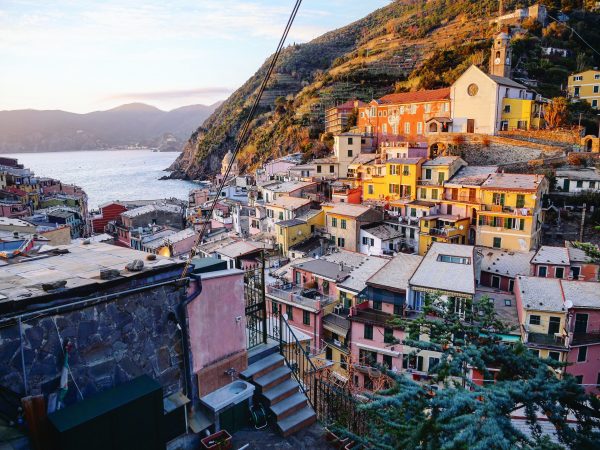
x=191, y=388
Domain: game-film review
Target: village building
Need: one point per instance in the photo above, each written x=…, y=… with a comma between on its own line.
x=577, y=181
x=585, y=86
x=336, y=117
x=343, y=223
x=568, y=263
x=500, y=268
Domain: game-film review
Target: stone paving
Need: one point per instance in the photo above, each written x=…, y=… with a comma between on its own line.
x=310, y=438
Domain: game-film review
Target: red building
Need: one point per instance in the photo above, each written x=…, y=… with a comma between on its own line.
x=108, y=212
x=407, y=115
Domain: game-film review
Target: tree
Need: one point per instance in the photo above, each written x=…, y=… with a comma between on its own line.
x=476, y=414
x=352, y=120
x=557, y=112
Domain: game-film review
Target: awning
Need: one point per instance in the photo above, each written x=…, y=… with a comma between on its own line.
x=383, y=351
x=440, y=120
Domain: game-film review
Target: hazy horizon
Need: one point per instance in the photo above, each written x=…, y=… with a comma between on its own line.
x=84, y=56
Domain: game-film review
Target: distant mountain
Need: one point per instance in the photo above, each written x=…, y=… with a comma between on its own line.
x=133, y=124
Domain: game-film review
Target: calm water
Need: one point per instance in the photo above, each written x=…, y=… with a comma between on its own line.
x=110, y=175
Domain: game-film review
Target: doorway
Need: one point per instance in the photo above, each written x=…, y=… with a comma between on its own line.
x=470, y=125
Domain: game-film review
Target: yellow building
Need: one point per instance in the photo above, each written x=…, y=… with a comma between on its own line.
x=542, y=316
x=519, y=113
x=510, y=216
x=442, y=228
x=585, y=86
x=393, y=181
x=293, y=231
x=434, y=173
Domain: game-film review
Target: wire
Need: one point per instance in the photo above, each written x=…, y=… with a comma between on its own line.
x=573, y=30
x=244, y=133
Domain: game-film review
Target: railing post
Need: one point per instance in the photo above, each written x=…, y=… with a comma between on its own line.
x=280, y=332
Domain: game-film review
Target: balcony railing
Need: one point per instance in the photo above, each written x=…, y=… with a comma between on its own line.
x=304, y=297
x=547, y=340
x=508, y=210
x=443, y=231
x=462, y=198
x=430, y=183
x=590, y=337
x=373, y=317
x=337, y=344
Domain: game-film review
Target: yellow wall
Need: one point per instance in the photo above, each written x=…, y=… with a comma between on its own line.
x=455, y=234
x=288, y=236
x=543, y=327
x=391, y=176
x=590, y=79
x=520, y=110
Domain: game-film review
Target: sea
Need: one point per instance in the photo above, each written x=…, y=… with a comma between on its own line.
x=110, y=175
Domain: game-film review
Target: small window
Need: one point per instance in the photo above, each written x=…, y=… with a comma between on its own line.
x=580, y=184
x=368, y=332
x=534, y=320
x=331, y=169
x=497, y=242
x=559, y=272
x=582, y=354
x=334, y=222
x=387, y=361
x=306, y=317
x=554, y=355
x=507, y=302
x=579, y=379
x=542, y=271
x=350, y=141
x=388, y=336
x=398, y=310
x=377, y=305
x=274, y=308
x=370, y=189
x=343, y=224
x=318, y=169
x=289, y=310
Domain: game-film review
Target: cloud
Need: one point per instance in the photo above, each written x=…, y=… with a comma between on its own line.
x=208, y=92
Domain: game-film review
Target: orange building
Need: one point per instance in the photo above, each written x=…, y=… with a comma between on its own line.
x=406, y=116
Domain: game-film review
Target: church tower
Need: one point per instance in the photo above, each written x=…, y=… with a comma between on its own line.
x=501, y=57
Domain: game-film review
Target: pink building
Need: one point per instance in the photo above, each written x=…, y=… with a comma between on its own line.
x=14, y=210
x=584, y=332
x=567, y=263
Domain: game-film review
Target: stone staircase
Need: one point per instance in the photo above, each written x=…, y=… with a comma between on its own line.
x=279, y=392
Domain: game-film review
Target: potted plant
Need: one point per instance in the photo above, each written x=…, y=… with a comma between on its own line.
x=221, y=440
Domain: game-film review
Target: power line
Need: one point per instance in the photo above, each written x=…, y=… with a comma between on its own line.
x=244, y=134
x=574, y=31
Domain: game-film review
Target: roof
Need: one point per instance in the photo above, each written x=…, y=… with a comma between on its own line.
x=552, y=255
x=350, y=104
x=171, y=238
x=382, y=231
x=287, y=186
x=325, y=269
x=446, y=276
x=513, y=182
x=15, y=222
x=64, y=213
x=396, y=273
x=541, y=294
x=578, y=255
x=505, y=263
x=506, y=81
x=237, y=249
x=348, y=209
x=581, y=294
x=81, y=266
x=442, y=161
x=136, y=212
x=307, y=245
x=356, y=282
x=287, y=202
x=405, y=160
x=471, y=175
x=506, y=310
x=417, y=96
x=290, y=223
x=586, y=174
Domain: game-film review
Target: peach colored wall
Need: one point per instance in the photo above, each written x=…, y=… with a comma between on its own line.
x=214, y=332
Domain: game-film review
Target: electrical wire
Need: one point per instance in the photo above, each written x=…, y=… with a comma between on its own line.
x=574, y=31
x=244, y=133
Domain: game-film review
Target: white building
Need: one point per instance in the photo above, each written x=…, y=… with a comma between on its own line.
x=380, y=239
x=578, y=180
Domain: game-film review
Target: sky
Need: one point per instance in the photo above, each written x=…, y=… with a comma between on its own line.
x=83, y=55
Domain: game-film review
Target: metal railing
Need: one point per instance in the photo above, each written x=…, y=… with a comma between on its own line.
x=522, y=211
x=546, y=339
x=294, y=294
x=589, y=337
x=442, y=231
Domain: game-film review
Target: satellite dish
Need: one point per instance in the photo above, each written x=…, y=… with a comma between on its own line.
x=569, y=304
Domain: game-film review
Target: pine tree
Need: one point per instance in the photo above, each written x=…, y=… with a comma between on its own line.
x=464, y=414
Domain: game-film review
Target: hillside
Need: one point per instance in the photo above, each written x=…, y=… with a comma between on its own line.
x=125, y=125
x=406, y=45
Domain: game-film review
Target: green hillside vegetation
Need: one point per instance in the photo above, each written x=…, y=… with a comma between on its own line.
x=407, y=45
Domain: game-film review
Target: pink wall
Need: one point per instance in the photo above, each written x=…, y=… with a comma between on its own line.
x=214, y=331
x=184, y=246
x=590, y=368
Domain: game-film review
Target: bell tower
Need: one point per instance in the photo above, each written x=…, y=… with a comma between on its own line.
x=501, y=57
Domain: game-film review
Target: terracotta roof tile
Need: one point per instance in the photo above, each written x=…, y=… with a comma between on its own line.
x=417, y=96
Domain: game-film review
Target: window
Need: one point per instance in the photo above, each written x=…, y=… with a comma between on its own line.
x=498, y=198
x=387, y=361
x=349, y=153
x=507, y=302
x=377, y=305
x=520, y=200
x=423, y=193
x=318, y=169
x=559, y=272
x=406, y=171
x=407, y=128
x=365, y=240
x=580, y=184
x=592, y=184
x=582, y=354
x=534, y=320
x=343, y=224
x=554, y=325
x=350, y=141
x=306, y=317
x=594, y=103
x=433, y=362
x=368, y=332
x=578, y=78
x=495, y=282
x=388, y=335
x=434, y=194
x=428, y=107
x=289, y=310
x=506, y=108
x=596, y=89
x=341, y=242
x=554, y=355
x=579, y=379
x=394, y=188
x=334, y=222
x=419, y=127
x=428, y=174
x=280, y=215
x=497, y=242
x=274, y=307
x=331, y=169
x=511, y=285
x=343, y=362
x=370, y=189
x=542, y=271
x=398, y=310
x=581, y=321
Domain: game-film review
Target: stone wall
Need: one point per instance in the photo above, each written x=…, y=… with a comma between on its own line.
x=113, y=342
x=551, y=137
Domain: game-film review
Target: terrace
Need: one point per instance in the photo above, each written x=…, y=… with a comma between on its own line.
x=291, y=293
x=502, y=209
x=546, y=340
x=590, y=337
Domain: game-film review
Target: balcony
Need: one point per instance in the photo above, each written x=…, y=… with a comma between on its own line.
x=303, y=297
x=338, y=345
x=373, y=317
x=429, y=183
x=447, y=231
x=590, y=337
x=502, y=209
x=462, y=198
x=546, y=340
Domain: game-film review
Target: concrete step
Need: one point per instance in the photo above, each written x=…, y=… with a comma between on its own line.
x=273, y=378
x=289, y=406
x=281, y=391
x=297, y=421
x=262, y=351
x=262, y=366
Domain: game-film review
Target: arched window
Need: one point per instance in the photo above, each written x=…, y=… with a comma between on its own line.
x=433, y=128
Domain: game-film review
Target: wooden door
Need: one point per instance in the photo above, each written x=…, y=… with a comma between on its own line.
x=470, y=125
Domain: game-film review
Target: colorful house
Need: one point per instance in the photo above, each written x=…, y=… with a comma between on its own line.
x=567, y=263
x=293, y=231
x=394, y=180
x=343, y=222
x=585, y=86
